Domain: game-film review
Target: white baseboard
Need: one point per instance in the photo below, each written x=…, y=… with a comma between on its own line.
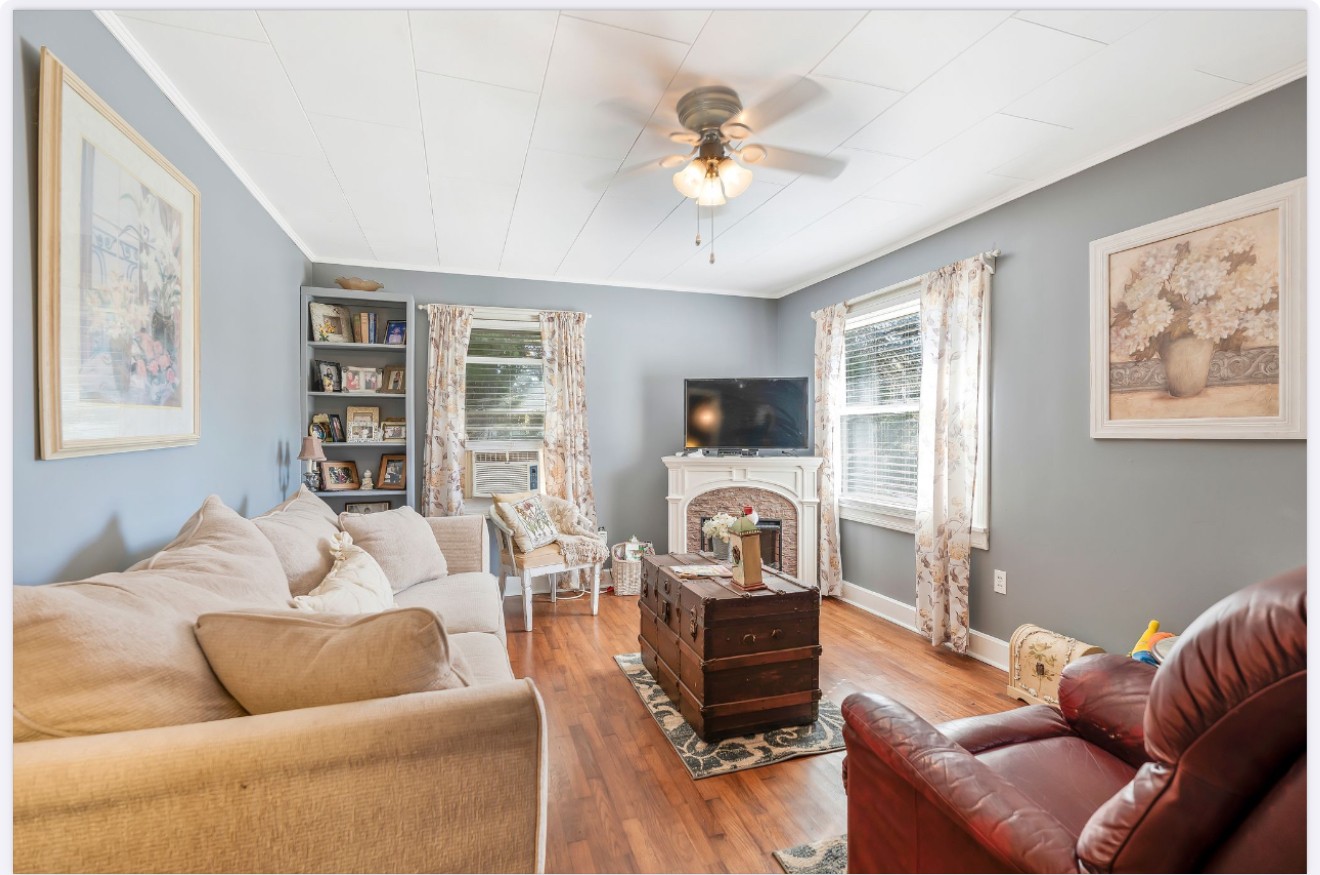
x=985, y=648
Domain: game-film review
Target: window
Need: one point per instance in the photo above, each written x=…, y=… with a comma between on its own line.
x=505, y=400
x=878, y=424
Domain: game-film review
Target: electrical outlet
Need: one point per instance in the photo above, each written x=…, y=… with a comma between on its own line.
x=1001, y=582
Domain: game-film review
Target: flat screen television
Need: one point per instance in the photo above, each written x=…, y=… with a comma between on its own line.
x=752, y=413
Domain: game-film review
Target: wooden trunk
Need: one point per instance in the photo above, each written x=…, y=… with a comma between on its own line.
x=1037, y=658
x=734, y=663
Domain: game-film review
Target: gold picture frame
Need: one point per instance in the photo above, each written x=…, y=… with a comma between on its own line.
x=118, y=315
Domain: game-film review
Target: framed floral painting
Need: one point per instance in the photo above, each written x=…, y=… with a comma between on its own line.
x=1197, y=323
x=118, y=281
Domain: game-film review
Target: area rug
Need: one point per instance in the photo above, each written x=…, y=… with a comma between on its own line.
x=705, y=760
x=825, y=857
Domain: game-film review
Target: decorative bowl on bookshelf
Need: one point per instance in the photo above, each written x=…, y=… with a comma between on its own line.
x=358, y=284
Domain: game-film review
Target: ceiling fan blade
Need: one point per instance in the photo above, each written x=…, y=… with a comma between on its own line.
x=686, y=137
x=801, y=162
x=622, y=175
x=785, y=102
x=633, y=115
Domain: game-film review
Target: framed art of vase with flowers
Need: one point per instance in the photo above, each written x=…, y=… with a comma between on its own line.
x=118, y=281
x=1197, y=323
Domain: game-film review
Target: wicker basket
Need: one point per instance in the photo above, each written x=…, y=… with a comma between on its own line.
x=624, y=572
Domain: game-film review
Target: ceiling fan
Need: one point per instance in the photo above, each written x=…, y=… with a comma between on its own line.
x=717, y=127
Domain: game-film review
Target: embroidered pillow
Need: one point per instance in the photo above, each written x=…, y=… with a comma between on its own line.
x=531, y=525
x=355, y=585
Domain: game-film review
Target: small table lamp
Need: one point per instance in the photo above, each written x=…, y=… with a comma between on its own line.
x=312, y=453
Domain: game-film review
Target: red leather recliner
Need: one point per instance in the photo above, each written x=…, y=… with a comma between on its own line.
x=1197, y=767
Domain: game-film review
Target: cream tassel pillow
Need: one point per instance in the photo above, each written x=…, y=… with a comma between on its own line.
x=355, y=585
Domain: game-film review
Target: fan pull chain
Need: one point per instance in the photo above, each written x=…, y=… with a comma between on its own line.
x=698, y=203
x=712, y=235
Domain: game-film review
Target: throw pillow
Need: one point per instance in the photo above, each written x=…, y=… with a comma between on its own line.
x=401, y=541
x=117, y=652
x=300, y=530
x=531, y=525
x=284, y=661
x=356, y=584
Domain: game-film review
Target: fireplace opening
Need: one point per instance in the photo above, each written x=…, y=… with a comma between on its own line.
x=772, y=542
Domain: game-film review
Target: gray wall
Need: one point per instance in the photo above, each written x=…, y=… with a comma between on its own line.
x=641, y=344
x=75, y=517
x=1097, y=536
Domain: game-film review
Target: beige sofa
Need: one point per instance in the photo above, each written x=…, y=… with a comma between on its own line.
x=444, y=781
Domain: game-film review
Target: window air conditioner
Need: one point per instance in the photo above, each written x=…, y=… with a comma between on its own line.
x=492, y=471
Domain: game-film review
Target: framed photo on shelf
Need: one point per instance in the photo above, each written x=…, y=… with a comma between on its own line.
x=393, y=471
x=318, y=431
x=395, y=377
x=394, y=430
x=328, y=377
x=358, y=379
x=338, y=476
x=321, y=424
x=396, y=332
x=363, y=431
x=337, y=434
x=330, y=323
x=366, y=507
x=371, y=413
x=118, y=280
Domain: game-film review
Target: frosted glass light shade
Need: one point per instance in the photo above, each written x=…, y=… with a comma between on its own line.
x=735, y=177
x=711, y=193
x=688, y=180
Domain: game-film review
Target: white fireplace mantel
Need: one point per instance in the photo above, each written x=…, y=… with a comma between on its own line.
x=793, y=477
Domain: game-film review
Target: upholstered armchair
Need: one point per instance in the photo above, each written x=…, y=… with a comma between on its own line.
x=577, y=549
x=1199, y=766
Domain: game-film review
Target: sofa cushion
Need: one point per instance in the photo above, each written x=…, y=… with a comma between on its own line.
x=401, y=541
x=117, y=651
x=284, y=661
x=530, y=523
x=300, y=530
x=484, y=656
x=468, y=602
x=355, y=585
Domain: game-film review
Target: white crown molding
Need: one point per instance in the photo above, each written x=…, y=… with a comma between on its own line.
x=1242, y=95
x=981, y=647
x=135, y=50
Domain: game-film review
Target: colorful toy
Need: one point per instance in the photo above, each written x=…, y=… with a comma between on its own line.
x=1144, y=649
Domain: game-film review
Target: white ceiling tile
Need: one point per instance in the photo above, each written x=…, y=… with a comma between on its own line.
x=309, y=198
x=617, y=226
x=502, y=48
x=557, y=194
x=475, y=130
x=237, y=86
x=826, y=123
x=899, y=48
x=349, y=64
x=1106, y=26
x=239, y=23
x=1245, y=46
x=593, y=67
x=682, y=25
x=471, y=218
x=1013, y=59
x=947, y=173
x=379, y=167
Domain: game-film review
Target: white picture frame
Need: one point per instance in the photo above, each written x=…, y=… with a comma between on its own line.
x=1134, y=394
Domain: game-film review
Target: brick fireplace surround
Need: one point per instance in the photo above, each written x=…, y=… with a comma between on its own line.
x=779, y=487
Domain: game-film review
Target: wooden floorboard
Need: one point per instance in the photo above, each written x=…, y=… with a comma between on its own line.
x=620, y=799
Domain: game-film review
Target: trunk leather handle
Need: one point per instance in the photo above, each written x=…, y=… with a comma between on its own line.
x=749, y=638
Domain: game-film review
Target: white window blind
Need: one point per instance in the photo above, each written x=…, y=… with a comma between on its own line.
x=882, y=380
x=505, y=398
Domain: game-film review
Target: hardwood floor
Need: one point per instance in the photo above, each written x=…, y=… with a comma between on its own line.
x=620, y=800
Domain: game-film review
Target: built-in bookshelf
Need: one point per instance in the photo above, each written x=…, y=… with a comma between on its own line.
x=370, y=353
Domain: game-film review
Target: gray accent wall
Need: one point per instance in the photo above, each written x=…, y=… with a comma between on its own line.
x=1097, y=536
x=641, y=345
x=76, y=517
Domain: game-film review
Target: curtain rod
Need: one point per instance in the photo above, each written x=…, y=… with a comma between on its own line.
x=513, y=309
x=987, y=258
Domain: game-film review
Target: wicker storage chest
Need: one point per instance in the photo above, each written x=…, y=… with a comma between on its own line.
x=1036, y=659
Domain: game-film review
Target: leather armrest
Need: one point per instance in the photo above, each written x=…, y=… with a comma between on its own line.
x=984, y=809
x=1104, y=698
x=984, y=732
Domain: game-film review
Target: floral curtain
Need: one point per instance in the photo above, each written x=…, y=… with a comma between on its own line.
x=446, y=388
x=567, y=448
x=829, y=404
x=952, y=307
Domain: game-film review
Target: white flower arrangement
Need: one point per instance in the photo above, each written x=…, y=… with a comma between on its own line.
x=1216, y=291
x=718, y=526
